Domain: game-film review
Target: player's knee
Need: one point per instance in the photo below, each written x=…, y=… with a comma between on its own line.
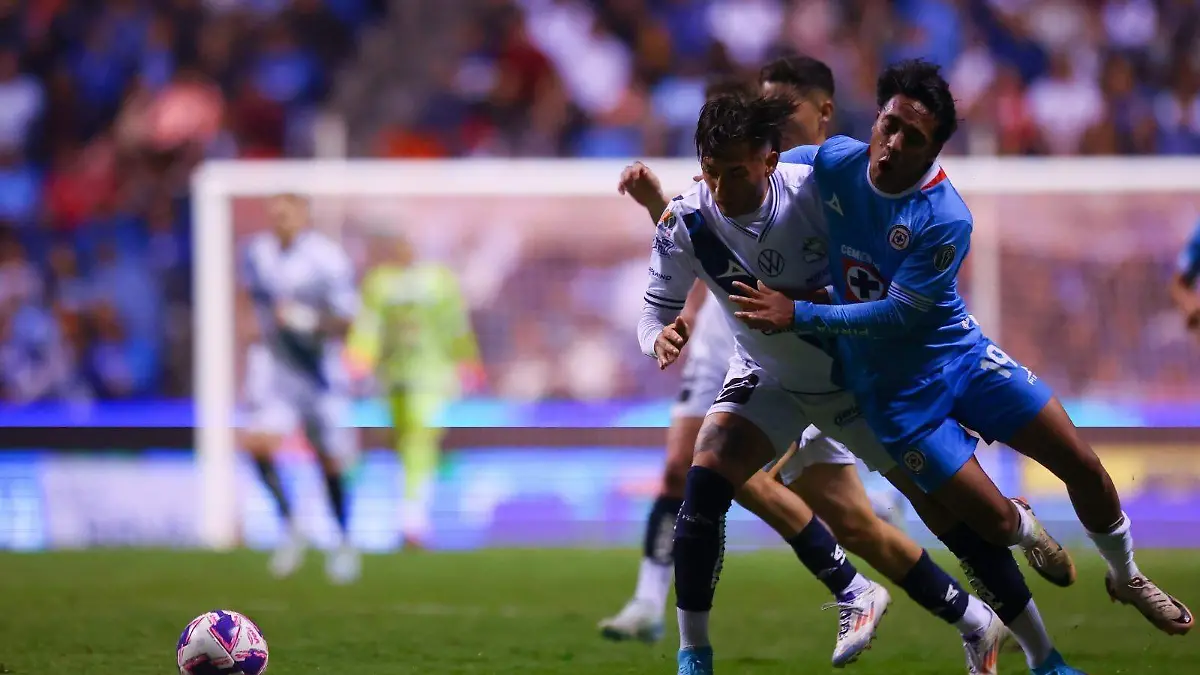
x=675, y=476
x=331, y=465
x=259, y=446
x=731, y=445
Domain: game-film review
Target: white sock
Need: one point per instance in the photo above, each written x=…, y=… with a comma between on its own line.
x=1030, y=632
x=858, y=584
x=693, y=629
x=1117, y=549
x=1026, y=529
x=654, y=583
x=976, y=618
x=415, y=518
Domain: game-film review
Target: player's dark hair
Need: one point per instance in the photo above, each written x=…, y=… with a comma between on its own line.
x=804, y=73
x=728, y=121
x=920, y=80
x=728, y=86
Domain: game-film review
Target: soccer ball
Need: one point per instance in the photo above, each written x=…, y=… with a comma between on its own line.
x=221, y=642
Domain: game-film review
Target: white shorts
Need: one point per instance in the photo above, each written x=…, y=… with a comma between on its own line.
x=279, y=400
x=707, y=360
x=829, y=427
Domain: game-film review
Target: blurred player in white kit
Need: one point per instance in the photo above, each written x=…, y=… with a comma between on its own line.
x=302, y=286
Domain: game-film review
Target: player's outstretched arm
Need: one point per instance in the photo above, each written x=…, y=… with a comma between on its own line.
x=925, y=275
x=640, y=183
x=1183, y=294
x=662, y=332
x=1183, y=282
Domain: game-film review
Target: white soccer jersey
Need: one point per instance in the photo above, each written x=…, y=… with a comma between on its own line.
x=783, y=244
x=311, y=278
x=711, y=343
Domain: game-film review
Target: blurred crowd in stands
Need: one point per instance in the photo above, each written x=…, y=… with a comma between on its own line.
x=620, y=78
x=107, y=105
x=105, y=108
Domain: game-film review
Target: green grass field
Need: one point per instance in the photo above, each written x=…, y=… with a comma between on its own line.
x=512, y=611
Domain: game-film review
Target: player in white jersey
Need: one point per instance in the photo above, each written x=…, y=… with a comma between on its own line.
x=302, y=286
x=736, y=227
x=840, y=499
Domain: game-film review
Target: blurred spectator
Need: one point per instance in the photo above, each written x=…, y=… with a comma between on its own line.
x=1064, y=104
x=21, y=101
x=20, y=283
x=35, y=363
x=120, y=366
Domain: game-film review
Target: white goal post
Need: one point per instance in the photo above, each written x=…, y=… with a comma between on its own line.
x=990, y=182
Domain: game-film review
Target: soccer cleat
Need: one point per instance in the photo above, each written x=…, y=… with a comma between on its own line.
x=637, y=620
x=858, y=619
x=1159, y=607
x=695, y=661
x=1055, y=665
x=1046, y=556
x=983, y=647
x=343, y=564
x=289, y=554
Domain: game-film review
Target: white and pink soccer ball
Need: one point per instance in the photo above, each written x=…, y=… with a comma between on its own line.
x=221, y=642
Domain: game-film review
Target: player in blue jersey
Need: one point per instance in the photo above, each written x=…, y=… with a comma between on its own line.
x=990, y=568
x=1183, y=283
x=919, y=363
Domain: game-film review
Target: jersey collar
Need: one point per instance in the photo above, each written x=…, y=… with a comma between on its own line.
x=932, y=177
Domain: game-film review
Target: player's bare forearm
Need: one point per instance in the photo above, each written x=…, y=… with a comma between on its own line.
x=1183, y=294
x=656, y=207
x=336, y=326
x=640, y=183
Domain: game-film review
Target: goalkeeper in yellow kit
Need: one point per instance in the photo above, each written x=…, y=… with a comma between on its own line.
x=414, y=332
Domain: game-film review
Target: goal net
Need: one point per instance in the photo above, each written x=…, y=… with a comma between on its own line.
x=1068, y=271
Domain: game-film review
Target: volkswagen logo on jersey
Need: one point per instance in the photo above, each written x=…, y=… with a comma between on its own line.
x=863, y=282
x=914, y=460
x=770, y=262
x=899, y=236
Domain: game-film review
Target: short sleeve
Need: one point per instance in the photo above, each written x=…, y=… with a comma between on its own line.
x=929, y=272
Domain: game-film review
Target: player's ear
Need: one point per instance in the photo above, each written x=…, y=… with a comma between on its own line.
x=772, y=161
x=826, y=110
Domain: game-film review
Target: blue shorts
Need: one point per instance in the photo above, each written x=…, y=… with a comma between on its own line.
x=984, y=390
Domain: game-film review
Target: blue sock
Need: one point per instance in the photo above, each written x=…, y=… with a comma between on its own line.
x=820, y=553
x=700, y=538
x=930, y=587
x=658, y=541
x=991, y=570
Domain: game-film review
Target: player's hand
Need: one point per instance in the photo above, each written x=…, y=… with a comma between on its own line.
x=670, y=341
x=1193, y=320
x=763, y=308
x=639, y=182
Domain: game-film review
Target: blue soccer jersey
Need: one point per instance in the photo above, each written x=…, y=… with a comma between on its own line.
x=916, y=359
x=1189, y=258
x=897, y=256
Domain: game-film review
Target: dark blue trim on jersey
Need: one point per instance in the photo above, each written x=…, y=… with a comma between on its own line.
x=654, y=303
x=664, y=299
x=309, y=360
x=714, y=257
